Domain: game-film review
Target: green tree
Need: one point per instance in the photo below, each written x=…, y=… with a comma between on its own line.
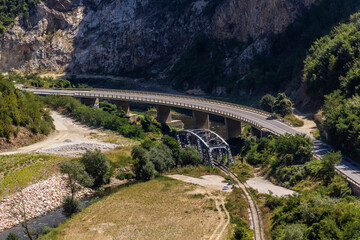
x=328, y=165
x=173, y=144
x=76, y=175
x=292, y=150
x=161, y=156
x=146, y=171
x=71, y=206
x=97, y=166
x=189, y=156
x=267, y=103
x=282, y=105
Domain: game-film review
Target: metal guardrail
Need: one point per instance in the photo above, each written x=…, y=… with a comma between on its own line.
x=106, y=93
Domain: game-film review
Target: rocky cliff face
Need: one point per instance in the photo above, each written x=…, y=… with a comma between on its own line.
x=137, y=36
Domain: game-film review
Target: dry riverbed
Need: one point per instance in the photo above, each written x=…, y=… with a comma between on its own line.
x=72, y=139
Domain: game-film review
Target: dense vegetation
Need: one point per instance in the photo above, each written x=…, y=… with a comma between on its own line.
x=155, y=158
x=323, y=207
x=21, y=109
x=333, y=68
x=284, y=64
x=334, y=61
x=10, y=9
x=35, y=80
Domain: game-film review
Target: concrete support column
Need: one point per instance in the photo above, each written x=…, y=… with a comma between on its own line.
x=233, y=128
x=124, y=105
x=163, y=114
x=201, y=120
x=92, y=102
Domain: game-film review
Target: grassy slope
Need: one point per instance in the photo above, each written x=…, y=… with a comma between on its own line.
x=159, y=209
x=21, y=170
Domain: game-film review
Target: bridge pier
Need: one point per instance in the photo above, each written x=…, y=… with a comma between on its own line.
x=163, y=114
x=125, y=106
x=201, y=120
x=91, y=102
x=259, y=133
x=164, y=117
x=233, y=128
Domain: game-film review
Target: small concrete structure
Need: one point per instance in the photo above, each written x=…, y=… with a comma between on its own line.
x=233, y=128
x=201, y=120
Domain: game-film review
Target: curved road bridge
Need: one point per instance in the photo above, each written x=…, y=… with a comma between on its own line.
x=262, y=123
x=210, y=145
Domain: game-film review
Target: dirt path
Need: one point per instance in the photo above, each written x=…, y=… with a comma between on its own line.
x=309, y=125
x=262, y=185
x=212, y=184
x=68, y=133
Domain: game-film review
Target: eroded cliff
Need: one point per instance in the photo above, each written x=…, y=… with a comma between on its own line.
x=139, y=36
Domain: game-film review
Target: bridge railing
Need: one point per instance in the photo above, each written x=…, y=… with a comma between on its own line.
x=178, y=96
x=171, y=103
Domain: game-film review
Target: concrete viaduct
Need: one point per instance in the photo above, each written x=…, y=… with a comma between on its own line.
x=262, y=122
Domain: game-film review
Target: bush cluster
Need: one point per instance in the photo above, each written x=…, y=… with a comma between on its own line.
x=156, y=158
x=92, y=171
x=281, y=105
x=323, y=207
x=21, y=109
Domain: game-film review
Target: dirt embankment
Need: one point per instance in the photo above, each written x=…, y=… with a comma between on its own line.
x=70, y=138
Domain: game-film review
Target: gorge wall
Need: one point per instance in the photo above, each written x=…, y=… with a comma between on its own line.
x=139, y=36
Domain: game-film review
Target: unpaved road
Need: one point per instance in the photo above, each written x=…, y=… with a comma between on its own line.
x=212, y=184
x=262, y=185
x=68, y=132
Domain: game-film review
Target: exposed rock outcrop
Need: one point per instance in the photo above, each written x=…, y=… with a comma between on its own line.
x=136, y=36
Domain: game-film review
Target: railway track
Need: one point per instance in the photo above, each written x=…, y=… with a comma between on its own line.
x=254, y=215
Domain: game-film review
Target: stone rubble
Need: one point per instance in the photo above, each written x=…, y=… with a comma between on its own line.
x=74, y=149
x=38, y=199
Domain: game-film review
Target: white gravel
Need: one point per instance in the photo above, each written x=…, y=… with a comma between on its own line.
x=38, y=199
x=213, y=182
x=262, y=185
x=71, y=149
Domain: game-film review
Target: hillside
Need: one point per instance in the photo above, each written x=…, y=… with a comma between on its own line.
x=147, y=38
x=22, y=117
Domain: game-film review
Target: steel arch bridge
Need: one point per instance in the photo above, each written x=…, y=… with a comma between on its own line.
x=210, y=145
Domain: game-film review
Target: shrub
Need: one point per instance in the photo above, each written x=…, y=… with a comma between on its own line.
x=12, y=236
x=125, y=175
x=76, y=175
x=267, y=103
x=46, y=230
x=189, y=156
x=97, y=166
x=161, y=156
x=173, y=144
x=71, y=206
x=146, y=171
x=282, y=105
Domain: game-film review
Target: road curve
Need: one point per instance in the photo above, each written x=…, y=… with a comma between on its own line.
x=257, y=118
